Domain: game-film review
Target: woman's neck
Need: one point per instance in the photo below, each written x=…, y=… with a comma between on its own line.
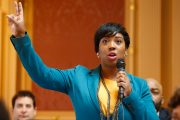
x=108, y=72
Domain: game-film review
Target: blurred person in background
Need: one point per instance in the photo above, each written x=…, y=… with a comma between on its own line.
x=174, y=104
x=4, y=113
x=24, y=106
x=157, y=95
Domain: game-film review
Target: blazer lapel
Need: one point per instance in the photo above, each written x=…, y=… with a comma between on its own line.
x=93, y=84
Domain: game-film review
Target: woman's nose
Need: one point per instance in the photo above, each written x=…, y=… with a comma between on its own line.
x=112, y=46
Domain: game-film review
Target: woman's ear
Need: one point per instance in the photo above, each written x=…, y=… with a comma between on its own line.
x=97, y=54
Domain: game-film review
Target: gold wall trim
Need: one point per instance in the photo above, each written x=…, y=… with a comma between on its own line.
x=7, y=56
x=130, y=8
x=55, y=115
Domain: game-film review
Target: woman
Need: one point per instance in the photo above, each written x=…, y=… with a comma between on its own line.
x=94, y=93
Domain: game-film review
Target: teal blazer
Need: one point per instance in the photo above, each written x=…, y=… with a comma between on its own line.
x=81, y=85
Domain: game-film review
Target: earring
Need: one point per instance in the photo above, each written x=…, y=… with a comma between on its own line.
x=97, y=55
x=125, y=54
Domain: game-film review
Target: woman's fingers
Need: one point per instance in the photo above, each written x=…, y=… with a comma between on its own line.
x=20, y=8
x=121, y=81
x=11, y=19
x=121, y=76
x=16, y=7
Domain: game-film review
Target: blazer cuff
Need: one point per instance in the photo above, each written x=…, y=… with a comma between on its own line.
x=20, y=41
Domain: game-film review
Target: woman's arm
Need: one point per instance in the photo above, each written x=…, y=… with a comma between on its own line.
x=44, y=76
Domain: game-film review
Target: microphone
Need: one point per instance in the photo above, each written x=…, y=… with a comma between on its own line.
x=121, y=67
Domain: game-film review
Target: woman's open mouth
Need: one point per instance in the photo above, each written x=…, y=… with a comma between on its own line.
x=112, y=56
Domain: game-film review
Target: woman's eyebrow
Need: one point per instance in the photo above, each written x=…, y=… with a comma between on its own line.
x=118, y=37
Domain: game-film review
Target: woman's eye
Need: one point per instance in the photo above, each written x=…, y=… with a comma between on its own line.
x=104, y=41
x=118, y=41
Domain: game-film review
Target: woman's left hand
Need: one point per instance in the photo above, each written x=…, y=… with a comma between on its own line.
x=123, y=81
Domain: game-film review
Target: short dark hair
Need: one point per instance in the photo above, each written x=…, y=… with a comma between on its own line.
x=175, y=99
x=23, y=93
x=110, y=29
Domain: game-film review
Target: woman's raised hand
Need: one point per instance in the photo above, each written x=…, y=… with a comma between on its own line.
x=16, y=21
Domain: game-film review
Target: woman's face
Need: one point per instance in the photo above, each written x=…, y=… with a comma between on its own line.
x=111, y=49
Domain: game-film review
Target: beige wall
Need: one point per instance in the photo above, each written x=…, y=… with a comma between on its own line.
x=175, y=44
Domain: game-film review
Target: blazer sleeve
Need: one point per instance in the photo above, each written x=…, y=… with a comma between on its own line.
x=46, y=77
x=140, y=103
